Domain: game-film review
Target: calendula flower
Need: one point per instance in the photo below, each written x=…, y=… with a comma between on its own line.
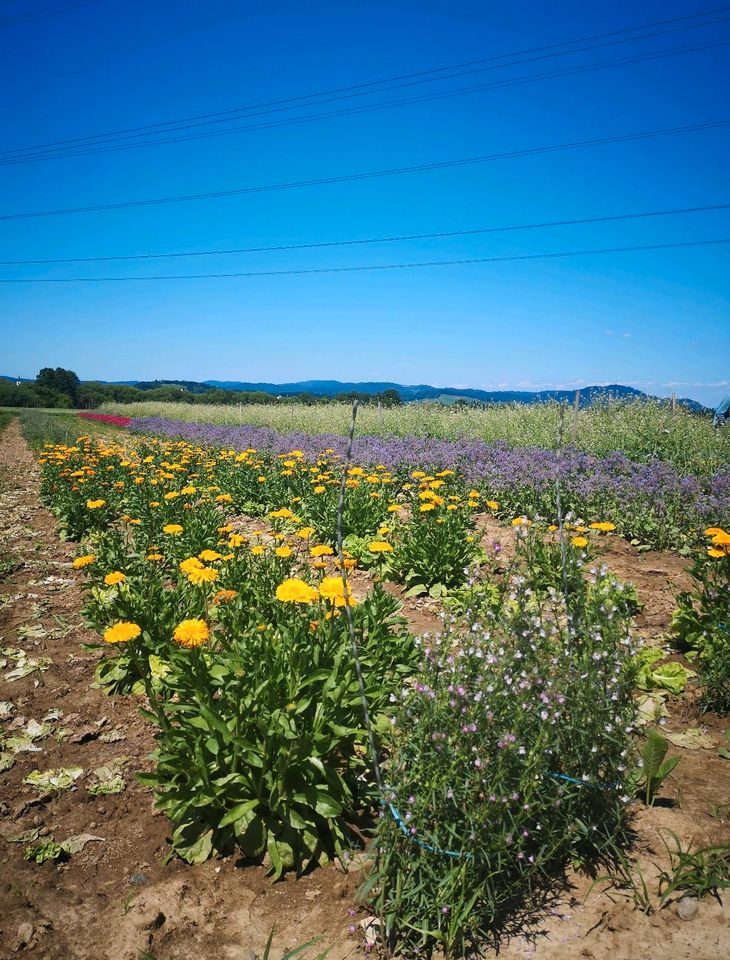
x=380, y=546
x=283, y=551
x=81, y=562
x=332, y=589
x=200, y=575
x=520, y=522
x=113, y=578
x=721, y=539
x=224, y=498
x=122, y=632
x=717, y=552
x=321, y=551
x=154, y=556
x=579, y=542
x=713, y=531
x=258, y=550
x=604, y=526
x=283, y=514
x=191, y=633
x=319, y=489
x=173, y=529
x=393, y=507
x=192, y=563
x=492, y=504
x=296, y=591
x=236, y=540
x=225, y=596
x=425, y=507
x=95, y=504
x=209, y=555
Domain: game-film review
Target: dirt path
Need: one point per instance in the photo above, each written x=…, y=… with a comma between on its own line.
x=116, y=899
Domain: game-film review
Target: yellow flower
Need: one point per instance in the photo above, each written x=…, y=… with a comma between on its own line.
x=283, y=514
x=171, y=495
x=225, y=596
x=192, y=563
x=236, y=540
x=95, y=504
x=425, y=507
x=520, y=522
x=122, y=632
x=296, y=591
x=191, y=633
x=209, y=555
x=321, y=551
x=332, y=589
x=604, y=526
x=111, y=579
x=579, y=541
x=283, y=551
x=380, y=546
x=492, y=504
x=417, y=474
x=200, y=575
x=258, y=550
x=172, y=528
x=319, y=489
x=224, y=498
x=80, y=562
x=155, y=556
x=721, y=539
x=718, y=551
x=713, y=531
x=393, y=507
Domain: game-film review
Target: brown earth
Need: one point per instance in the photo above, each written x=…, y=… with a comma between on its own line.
x=117, y=899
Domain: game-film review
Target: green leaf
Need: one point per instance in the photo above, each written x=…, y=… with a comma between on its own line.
x=238, y=812
x=193, y=842
x=654, y=751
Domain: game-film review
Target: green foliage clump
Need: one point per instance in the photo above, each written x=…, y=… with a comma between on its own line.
x=261, y=745
x=701, y=624
x=510, y=756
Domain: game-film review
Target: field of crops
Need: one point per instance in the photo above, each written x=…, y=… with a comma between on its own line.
x=392, y=652
x=642, y=430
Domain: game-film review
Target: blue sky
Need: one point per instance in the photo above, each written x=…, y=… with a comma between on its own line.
x=658, y=320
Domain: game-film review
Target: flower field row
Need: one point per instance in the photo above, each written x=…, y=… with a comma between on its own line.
x=648, y=502
x=217, y=593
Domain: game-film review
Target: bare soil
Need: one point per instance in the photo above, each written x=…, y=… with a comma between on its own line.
x=119, y=898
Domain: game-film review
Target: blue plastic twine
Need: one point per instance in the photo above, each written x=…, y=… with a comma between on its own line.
x=470, y=856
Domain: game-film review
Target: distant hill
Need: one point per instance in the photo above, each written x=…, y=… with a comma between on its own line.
x=408, y=393
x=423, y=391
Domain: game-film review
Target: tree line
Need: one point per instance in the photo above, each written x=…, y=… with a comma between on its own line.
x=61, y=388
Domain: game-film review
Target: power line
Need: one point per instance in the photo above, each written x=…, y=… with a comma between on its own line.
x=34, y=15
x=380, y=266
x=361, y=88
x=440, y=235
x=116, y=146
x=388, y=172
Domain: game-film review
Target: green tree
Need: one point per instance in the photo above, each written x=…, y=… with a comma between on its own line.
x=60, y=380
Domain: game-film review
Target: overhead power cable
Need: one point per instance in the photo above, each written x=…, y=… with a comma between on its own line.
x=388, y=172
x=440, y=235
x=34, y=15
x=464, y=261
x=59, y=147
x=369, y=108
